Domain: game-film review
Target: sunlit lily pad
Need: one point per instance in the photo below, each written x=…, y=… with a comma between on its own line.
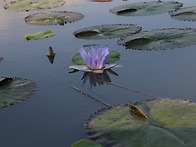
x=53, y=18
x=86, y=143
x=169, y=123
x=188, y=14
x=146, y=8
x=39, y=35
x=13, y=90
x=107, y=31
x=160, y=39
x=113, y=57
x=26, y=5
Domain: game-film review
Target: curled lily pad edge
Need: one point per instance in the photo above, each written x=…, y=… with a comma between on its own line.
x=26, y=97
x=124, y=44
x=172, y=14
x=91, y=28
x=111, y=10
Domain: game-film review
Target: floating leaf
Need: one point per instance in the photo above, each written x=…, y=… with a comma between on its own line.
x=27, y=5
x=160, y=39
x=188, y=14
x=107, y=31
x=38, y=35
x=170, y=123
x=113, y=57
x=146, y=8
x=13, y=90
x=53, y=18
x=137, y=112
x=86, y=143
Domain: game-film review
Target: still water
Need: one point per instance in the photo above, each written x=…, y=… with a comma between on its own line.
x=54, y=116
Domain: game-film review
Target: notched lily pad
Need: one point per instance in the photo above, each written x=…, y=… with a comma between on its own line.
x=27, y=5
x=146, y=8
x=13, y=90
x=112, y=57
x=39, y=35
x=107, y=31
x=169, y=123
x=186, y=14
x=160, y=39
x=53, y=18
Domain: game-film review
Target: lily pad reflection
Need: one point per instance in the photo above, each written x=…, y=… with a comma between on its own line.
x=169, y=123
x=160, y=39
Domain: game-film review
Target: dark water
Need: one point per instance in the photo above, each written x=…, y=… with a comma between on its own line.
x=55, y=114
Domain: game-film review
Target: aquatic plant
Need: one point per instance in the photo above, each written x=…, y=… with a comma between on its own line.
x=94, y=60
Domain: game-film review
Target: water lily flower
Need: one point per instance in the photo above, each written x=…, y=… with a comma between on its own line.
x=94, y=60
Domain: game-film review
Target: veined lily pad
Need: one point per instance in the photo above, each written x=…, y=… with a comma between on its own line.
x=160, y=39
x=86, y=143
x=38, y=35
x=146, y=8
x=188, y=14
x=113, y=57
x=107, y=31
x=169, y=123
x=13, y=90
x=26, y=5
x=53, y=18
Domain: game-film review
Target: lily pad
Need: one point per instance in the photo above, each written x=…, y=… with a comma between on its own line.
x=107, y=31
x=27, y=5
x=146, y=8
x=53, y=18
x=169, y=123
x=38, y=35
x=86, y=143
x=160, y=39
x=113, y=57
x=14, y=90
x=186, y=14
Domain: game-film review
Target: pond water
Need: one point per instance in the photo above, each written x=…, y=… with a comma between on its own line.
x=56, y=113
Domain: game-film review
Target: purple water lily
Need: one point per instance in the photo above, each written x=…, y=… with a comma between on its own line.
x=95, y=60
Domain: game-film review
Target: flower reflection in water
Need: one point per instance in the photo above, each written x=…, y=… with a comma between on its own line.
x=96, y=78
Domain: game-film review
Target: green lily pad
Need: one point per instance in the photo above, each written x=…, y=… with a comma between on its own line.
x=53, y=18
x=188, y=14
x=39, y=35
x=146, y=8
x=112, y=57
x=169, y=123
x=27, y=5
x=160, y=39
x=107, y=31
x=86, y=143
x=14, y=90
